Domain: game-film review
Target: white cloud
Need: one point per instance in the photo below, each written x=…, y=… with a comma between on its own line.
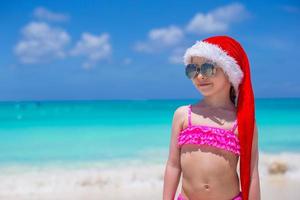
x=41, y=42
x=44, y=14
x=160, y=38
x=167, y=36
x=217, y=20
x=144, y=47
x=176, y=56
x=94, y=47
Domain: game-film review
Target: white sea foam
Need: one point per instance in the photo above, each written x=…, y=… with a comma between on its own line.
x=125, y=180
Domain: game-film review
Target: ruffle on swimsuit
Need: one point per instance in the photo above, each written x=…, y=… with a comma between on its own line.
x=209, y=135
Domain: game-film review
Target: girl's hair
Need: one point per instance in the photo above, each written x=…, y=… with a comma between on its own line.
x=232, y=95
x=231, y=91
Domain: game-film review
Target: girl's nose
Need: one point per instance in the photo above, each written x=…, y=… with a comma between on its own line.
x=200, y=76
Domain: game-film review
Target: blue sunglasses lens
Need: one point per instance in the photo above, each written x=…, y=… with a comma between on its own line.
x=191, y=70
x=206, y=69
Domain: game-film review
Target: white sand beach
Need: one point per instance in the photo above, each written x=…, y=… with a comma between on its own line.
x=134, y=180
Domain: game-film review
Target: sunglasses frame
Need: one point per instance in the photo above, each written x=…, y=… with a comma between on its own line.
x=199, y=69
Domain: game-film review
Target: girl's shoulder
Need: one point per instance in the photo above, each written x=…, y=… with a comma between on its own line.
x=181, y=112
x=179, y=116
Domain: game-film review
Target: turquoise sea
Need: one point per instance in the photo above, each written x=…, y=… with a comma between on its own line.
x=117, y=149
x=75, y=131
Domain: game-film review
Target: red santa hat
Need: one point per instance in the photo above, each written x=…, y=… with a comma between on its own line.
x=231, y=57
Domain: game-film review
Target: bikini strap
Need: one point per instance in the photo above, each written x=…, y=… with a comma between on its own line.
x=234, y=125
x=189, y=115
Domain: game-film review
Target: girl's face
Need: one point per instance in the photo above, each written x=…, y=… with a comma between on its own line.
x=218, y=83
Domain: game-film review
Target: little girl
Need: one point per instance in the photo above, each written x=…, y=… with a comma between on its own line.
x=208, y=137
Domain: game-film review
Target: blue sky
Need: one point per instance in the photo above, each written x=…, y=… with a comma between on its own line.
x=92, y=50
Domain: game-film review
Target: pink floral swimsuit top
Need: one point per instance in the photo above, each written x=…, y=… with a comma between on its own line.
x=209, y=135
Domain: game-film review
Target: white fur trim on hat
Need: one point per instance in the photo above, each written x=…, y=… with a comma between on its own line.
x=218, y=55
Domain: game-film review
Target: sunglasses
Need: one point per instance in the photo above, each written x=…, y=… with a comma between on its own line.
x=206, y=69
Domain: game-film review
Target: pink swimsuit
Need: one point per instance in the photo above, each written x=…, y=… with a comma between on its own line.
x=212, y=136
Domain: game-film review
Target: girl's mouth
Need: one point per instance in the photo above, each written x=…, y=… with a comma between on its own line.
x=206, y=84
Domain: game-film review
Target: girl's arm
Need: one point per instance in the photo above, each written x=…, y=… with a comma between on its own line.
x=173, y=168
x=254, y=190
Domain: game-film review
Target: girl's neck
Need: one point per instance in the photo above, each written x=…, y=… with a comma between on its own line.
x=218, y=103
